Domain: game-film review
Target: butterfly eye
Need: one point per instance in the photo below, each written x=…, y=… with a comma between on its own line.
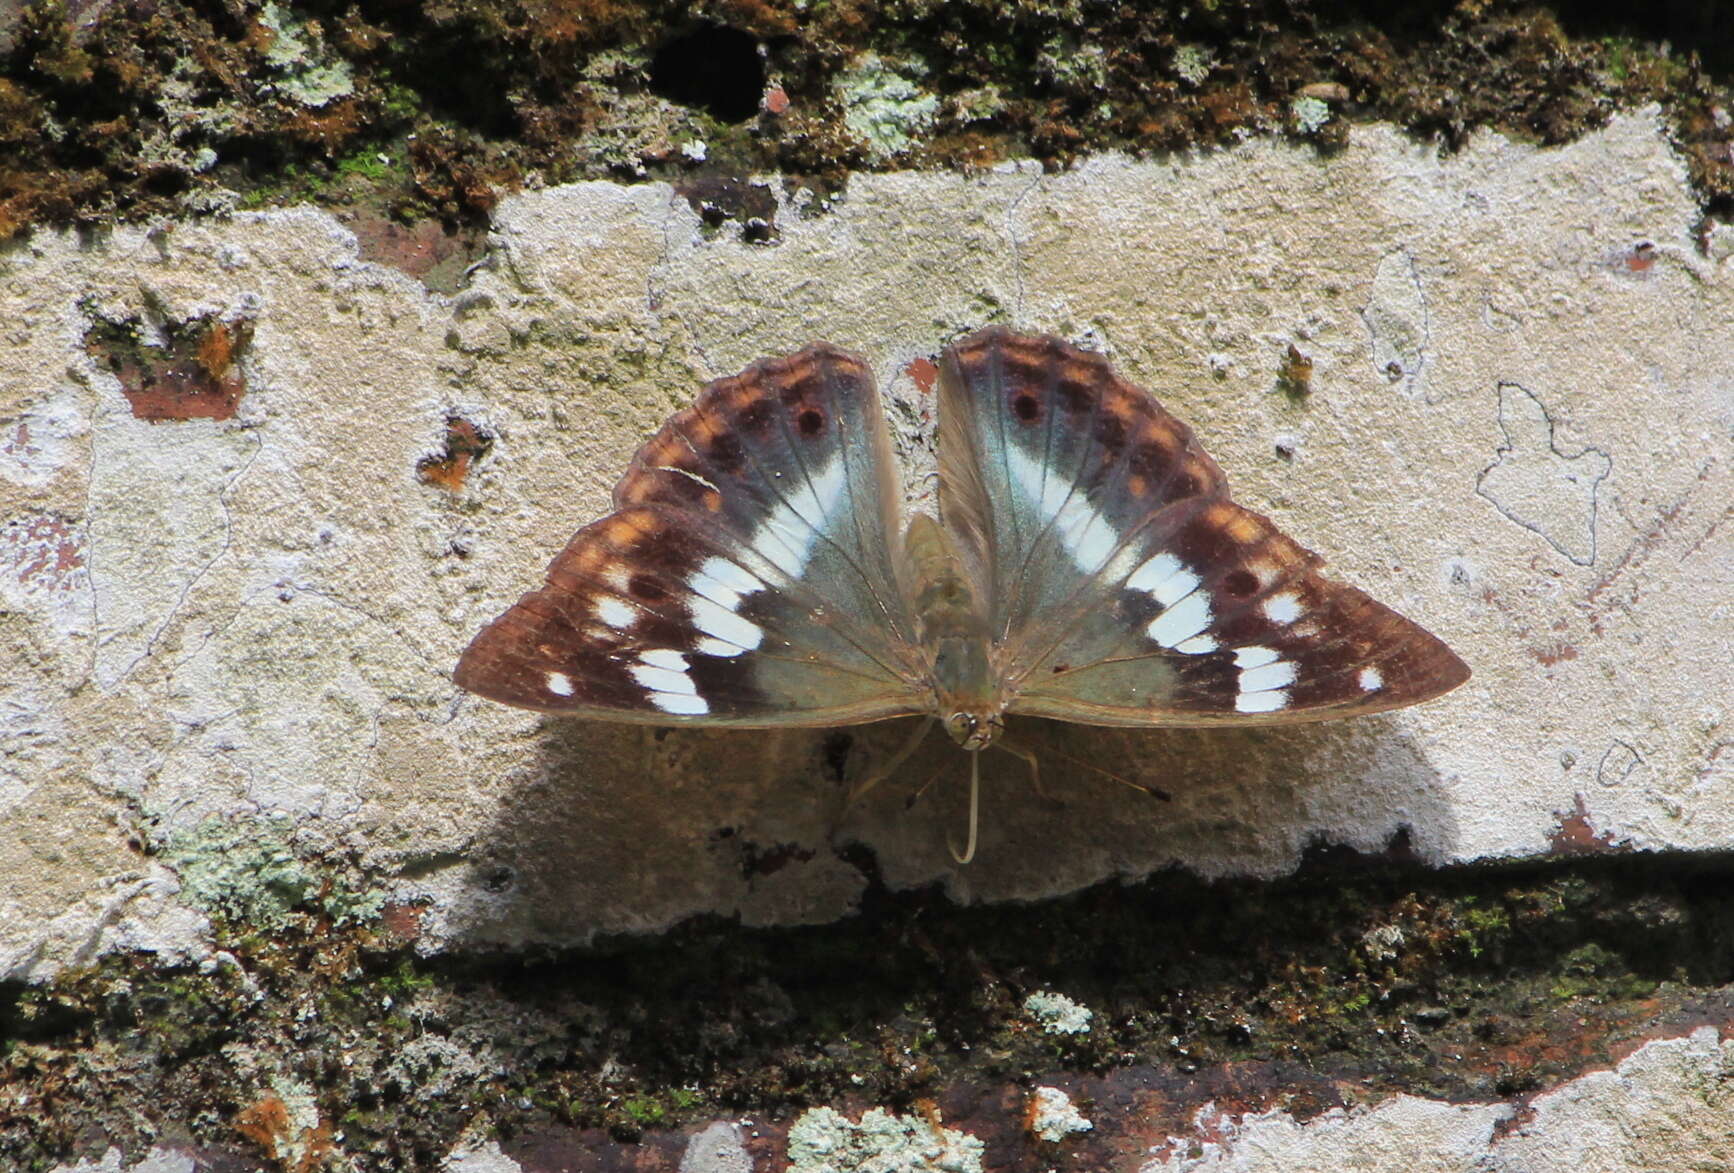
x=974, y=731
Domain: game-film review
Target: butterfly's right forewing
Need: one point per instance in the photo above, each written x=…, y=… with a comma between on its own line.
x=1057, y=462
x=1124, y=586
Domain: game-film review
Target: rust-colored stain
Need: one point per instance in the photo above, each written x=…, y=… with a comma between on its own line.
x=196, y=375
x=1295, y=375
x=266, y=1123
x=18, y=445
x=1575, y=835
x=401, y=922
x=776, y=100
x=465, y=444
x=925, y=372
x=1641, y=258
x=426, y=249
x=43, y=553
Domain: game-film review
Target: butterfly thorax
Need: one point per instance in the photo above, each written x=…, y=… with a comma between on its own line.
x=954, y=633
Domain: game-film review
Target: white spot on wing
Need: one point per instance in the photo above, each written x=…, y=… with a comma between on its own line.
x=1198, y=645
x=1283, y=608
x=559, y=684
x=787, y=536
x=1371, y=680
x=616, y=613
x=1086, y=534
x=663, y=672
x=1182, y=621
x=663, y=679
x=727, y=576
x=1080, y=526
x=1264, y=679
x=1165, y=579
x=1261, y=702
x=717, y=620
x=1254, y=656
x=718, y=585
x=680, y=703
x=1267, y=676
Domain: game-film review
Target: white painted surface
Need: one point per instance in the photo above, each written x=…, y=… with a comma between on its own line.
x=261, y=615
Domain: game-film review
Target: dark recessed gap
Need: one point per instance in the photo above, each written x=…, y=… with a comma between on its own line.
x=713, y=68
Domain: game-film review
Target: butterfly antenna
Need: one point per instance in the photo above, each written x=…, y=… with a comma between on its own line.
x=974, y=808
x=1141, y=788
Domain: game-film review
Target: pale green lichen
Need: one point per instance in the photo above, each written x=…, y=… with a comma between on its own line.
x=884, y=108
x=248, y=872
x=295, y=52
x=979, y=104
x=826, y=1141
x=1310, y=114
x=1053, y=1116
x=1058, y=1014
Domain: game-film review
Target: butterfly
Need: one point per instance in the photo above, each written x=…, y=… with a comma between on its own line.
x=1086, y=564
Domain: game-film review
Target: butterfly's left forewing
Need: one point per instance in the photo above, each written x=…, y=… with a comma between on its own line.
x=747, y=576
x=1125, y=587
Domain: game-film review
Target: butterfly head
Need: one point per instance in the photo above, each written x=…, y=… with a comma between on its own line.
x=974, y=731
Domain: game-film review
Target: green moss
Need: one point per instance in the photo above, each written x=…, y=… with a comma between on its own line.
x=644, y=1111
x=1483, y=928
x=1401, y=979
x=166, y=109
x=370, y=165
x=1355, y=1003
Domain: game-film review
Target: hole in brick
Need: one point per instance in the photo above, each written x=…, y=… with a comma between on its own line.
x=713, y=68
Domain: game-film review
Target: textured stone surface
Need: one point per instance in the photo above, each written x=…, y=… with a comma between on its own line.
x=1519, y=430
x=1667, y=1106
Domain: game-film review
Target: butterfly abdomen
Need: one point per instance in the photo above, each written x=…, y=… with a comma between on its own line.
x=953, y=628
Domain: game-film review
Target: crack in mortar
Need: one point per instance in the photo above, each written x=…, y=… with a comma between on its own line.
x=1011, y=232
x=1523, y=441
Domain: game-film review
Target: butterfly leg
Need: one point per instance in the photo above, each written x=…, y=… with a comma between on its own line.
x=892, y=763
x=968, y=852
